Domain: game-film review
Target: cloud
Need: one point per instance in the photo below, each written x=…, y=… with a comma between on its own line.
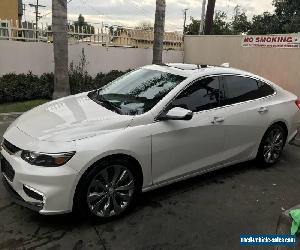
x=132, y=12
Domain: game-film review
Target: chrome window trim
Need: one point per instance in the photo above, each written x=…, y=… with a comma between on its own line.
x=221, y=107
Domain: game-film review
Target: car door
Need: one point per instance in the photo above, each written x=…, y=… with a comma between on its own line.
x=180, y=147
x=246, y=116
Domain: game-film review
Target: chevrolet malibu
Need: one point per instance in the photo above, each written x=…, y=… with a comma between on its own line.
x=96, y=151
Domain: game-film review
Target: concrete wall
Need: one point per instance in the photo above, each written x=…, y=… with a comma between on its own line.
x=281, y=66
x=21, y=57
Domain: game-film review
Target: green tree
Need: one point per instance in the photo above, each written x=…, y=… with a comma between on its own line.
x=193, y=27
x=240, y=23
x=266, y=23
x=288, y=14
x=82, y=26
x=220, y=24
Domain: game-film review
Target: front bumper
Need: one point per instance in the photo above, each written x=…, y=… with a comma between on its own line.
x=36, y=206
x=54, y=184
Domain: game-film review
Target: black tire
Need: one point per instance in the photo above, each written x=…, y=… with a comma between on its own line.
x=93, y=182
x=270, y=151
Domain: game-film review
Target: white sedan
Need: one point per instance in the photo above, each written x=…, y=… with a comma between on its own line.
x=95, y=152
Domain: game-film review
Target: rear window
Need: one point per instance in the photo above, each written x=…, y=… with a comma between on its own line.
x=241, y=89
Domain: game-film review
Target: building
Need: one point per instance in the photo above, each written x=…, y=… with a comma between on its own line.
x=144, y=39
x=11, y=10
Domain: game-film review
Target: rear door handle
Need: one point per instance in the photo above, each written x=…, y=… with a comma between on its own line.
x=217, y=120
x=263, y=110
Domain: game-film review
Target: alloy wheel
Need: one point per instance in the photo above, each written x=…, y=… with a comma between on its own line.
x=273, y=146
x=110, y=192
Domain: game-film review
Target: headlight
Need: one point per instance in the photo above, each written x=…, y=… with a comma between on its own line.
x=46, y=160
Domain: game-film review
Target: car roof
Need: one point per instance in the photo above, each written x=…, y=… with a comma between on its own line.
x=196, y=70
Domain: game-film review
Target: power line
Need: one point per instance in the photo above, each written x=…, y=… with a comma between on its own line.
x=50, y=12
x=37, y=14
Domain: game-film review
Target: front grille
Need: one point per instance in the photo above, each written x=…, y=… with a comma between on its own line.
x=7, y=169
x=10, y=148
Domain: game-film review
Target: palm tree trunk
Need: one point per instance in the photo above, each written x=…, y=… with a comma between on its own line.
x=60, y=46
x=159, y=31
x=209, y=19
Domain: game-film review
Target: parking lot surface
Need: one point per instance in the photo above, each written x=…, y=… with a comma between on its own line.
x=205, y=212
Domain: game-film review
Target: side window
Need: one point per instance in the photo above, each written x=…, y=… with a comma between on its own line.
x=240, y=89
x=201, y=95
x=265, y=89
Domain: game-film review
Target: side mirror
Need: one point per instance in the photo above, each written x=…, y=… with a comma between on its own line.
x=177, y=113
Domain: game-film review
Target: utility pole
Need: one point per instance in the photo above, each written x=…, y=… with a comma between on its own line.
x=184, y=20
x=201, y=27
x=37, y=15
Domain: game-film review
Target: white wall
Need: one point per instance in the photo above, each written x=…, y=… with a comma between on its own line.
x=22, y=57
x=279, y=65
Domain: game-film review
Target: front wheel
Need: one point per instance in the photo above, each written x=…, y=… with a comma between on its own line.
x=108, y=190
x=272, y=145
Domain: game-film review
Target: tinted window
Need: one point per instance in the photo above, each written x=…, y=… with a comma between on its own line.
x=265, y=89
x=138, y=91
x=241, y=89
x=201, y=95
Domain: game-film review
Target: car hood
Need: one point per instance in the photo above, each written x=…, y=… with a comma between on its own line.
x=71, y=118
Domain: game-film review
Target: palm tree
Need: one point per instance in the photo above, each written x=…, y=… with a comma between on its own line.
x=209, y=19
x=159, y=30
x=60, y=46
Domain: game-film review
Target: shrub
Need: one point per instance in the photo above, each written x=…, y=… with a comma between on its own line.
x=22, y=87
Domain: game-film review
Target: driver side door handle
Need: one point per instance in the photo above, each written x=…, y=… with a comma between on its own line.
x=217, y=120
x=263, y=110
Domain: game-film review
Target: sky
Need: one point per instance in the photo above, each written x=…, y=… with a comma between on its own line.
x=132, y=12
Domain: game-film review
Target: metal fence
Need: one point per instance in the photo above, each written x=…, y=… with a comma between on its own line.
x=104, y=36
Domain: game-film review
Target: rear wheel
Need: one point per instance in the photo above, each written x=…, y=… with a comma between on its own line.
x=272, y=145
x=108, y=190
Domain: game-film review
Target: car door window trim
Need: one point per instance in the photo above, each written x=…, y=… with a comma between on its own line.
x=221, y=84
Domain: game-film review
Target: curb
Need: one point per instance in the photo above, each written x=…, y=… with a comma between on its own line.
x=4, y=117
x=11, y=114
x=284, y=227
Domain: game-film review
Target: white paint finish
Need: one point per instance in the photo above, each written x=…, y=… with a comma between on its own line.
x=179, y=147
x=279, y=65
x=21, y=57
x=166, y=150
x=71, y=118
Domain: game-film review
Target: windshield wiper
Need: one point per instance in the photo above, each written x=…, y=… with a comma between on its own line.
x=100, y=99
x=109, y=104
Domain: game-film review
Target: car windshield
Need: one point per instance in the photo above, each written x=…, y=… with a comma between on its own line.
x=136, y=92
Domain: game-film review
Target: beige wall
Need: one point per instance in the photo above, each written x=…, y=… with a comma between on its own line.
x=281, y=66
x=21, y=57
